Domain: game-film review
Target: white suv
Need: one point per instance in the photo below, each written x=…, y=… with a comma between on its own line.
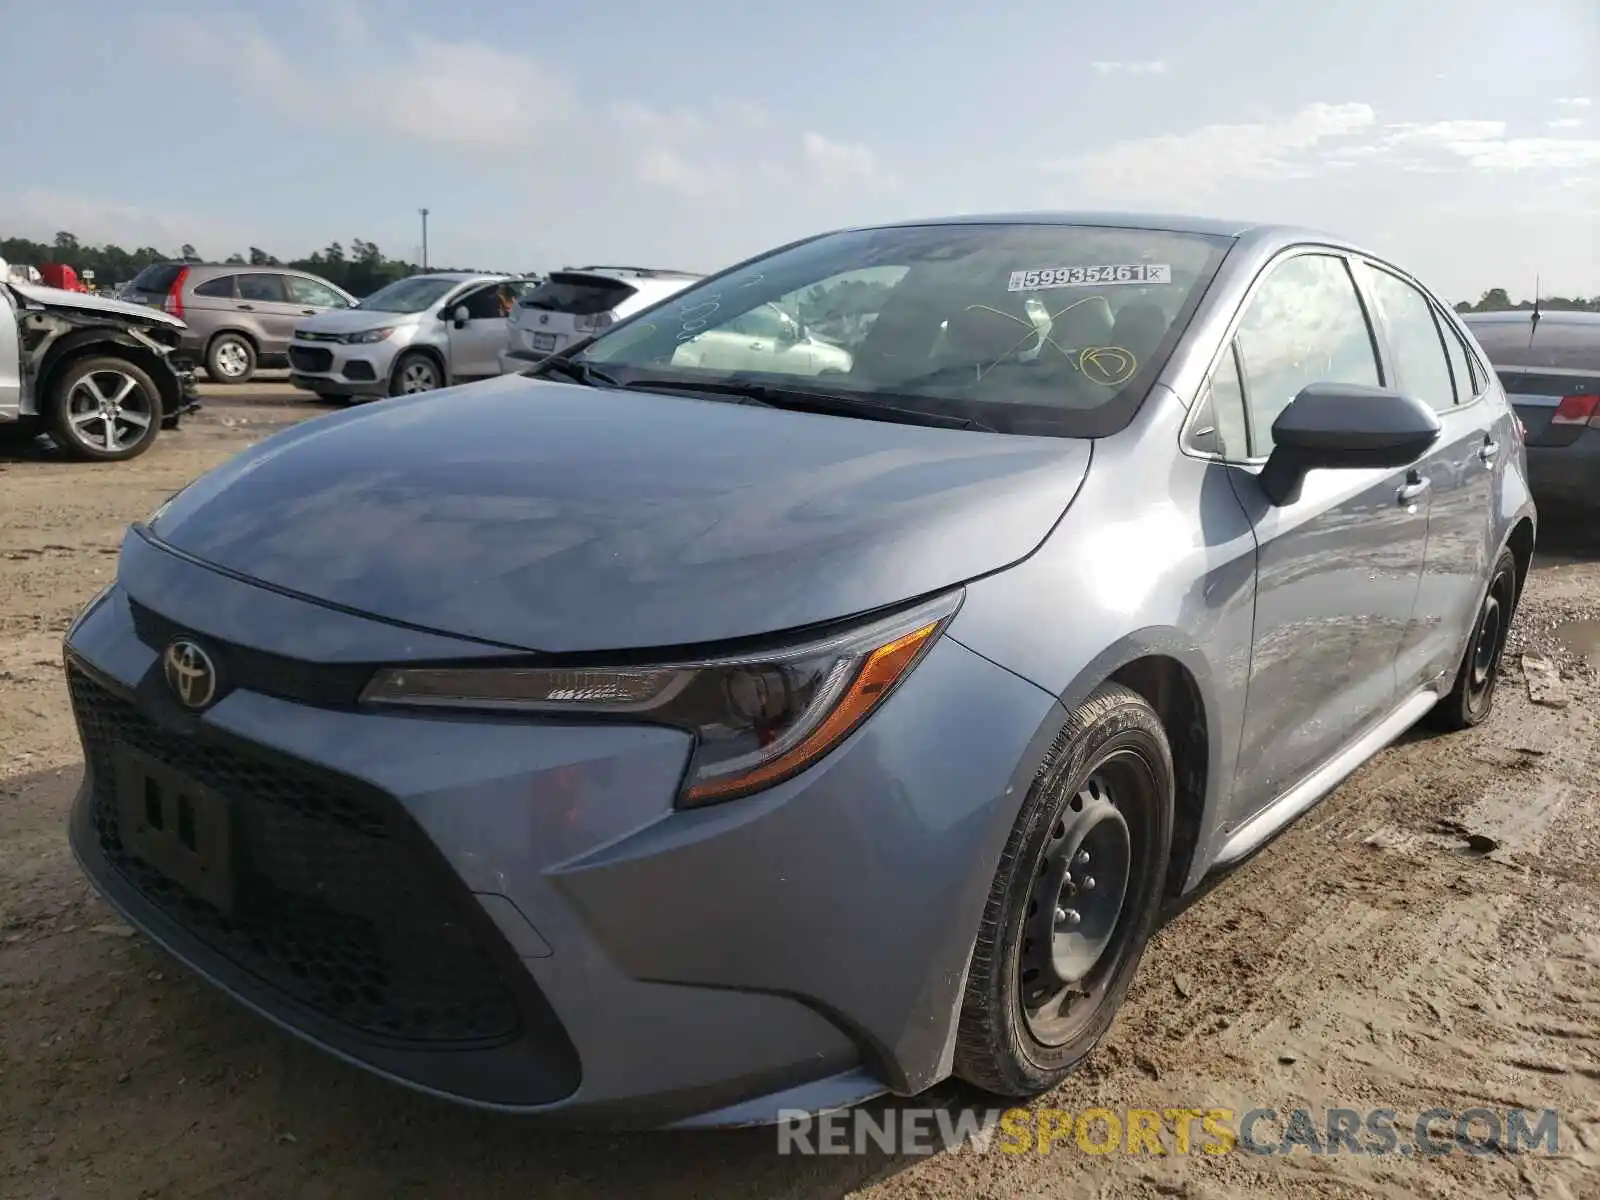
x=577, y=302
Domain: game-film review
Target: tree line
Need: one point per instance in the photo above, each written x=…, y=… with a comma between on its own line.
x=360, y=270
x=1496, y=300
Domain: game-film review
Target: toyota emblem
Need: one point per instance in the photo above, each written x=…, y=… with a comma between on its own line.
x=544, y=318
x=190, y=673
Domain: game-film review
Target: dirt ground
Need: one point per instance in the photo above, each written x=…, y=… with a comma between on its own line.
x=1428, y=937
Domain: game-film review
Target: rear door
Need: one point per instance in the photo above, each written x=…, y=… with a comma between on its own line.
x=1428, y=361
x=564, y=308
x=265, y=296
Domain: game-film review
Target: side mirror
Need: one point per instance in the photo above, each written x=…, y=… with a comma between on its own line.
x=1344, y=426
x=460, y=316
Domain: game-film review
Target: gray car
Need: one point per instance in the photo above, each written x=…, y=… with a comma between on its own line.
x=237, y=317
x=667, y=745
x=1550, y=367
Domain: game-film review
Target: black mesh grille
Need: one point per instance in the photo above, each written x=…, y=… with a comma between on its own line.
x=333, y=905
x=304, y=359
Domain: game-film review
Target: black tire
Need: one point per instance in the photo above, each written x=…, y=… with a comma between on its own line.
x=85, y=391
x=1111, y=763
x=414, y=374
x=230, y=358
x=1471, y=698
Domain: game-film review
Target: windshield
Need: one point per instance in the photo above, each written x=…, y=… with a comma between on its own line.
x=413, y=295
x=1040, y=329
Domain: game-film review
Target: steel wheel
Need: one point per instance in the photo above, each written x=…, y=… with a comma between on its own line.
x=1471, y=699
x=1076, y=911
x=1074, y=899
x=232, y=360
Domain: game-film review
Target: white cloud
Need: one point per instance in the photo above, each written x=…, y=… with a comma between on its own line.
x=1116, y=67
x=474, y=98
x=39, y=213
x=1567, y=123
x=834, y=164
x=1170, y=168
x=1180, y=168
x=1574, y=102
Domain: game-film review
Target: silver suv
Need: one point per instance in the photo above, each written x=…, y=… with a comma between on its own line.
x=578, y=302
x=417, y=334
x=238, y=317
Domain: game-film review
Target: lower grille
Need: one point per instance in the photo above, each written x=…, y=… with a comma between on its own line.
x=302, y=358
x=334, y=906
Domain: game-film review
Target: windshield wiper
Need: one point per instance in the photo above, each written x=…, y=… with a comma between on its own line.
x=574, y=369
x=800, y=400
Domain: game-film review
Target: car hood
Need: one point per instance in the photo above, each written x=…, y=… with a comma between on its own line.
x=552, y=517
x=83, y=302
x=355, y=320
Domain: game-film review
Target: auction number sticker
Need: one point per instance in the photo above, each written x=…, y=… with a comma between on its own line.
x=1065, y=277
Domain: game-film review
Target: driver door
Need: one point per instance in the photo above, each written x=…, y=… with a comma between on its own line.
x=1338, y=569
x=476, y=345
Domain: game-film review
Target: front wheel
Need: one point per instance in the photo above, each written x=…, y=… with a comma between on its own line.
x=414, y=373
x=104, y=410
x=1074, y=901
x=1471, y=699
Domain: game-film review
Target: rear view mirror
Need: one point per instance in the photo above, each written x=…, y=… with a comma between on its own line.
x=460, y=316
x=1345, y=426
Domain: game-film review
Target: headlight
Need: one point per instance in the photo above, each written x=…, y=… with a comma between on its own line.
x=367, y=336
x=758, y=719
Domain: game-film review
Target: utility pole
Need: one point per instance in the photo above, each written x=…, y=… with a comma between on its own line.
x=424, y=213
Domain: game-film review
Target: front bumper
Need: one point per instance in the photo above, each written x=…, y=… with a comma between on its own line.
x=511, y=913
x=337, y=369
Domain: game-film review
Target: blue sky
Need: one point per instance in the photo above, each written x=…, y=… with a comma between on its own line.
x=1460, y=136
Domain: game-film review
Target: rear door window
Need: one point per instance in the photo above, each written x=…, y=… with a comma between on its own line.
x=1414, y=338
x=220, y=288
x=263, y=288
x=579, y=295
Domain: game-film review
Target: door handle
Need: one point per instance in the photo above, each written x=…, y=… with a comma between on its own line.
x=1490, y=449
x=1415, y=487
x=245, y=307
x=308, y=312
x=758, y=345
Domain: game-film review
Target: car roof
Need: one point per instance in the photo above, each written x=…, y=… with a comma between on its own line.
x=1118, y=219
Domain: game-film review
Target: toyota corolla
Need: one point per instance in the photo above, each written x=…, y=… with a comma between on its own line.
x=666, y=744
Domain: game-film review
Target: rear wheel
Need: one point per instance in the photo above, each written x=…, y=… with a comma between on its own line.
x=414, y=373
x=1471, y=699
x=230, y=358
x=104, y=409
x=1074, y=901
